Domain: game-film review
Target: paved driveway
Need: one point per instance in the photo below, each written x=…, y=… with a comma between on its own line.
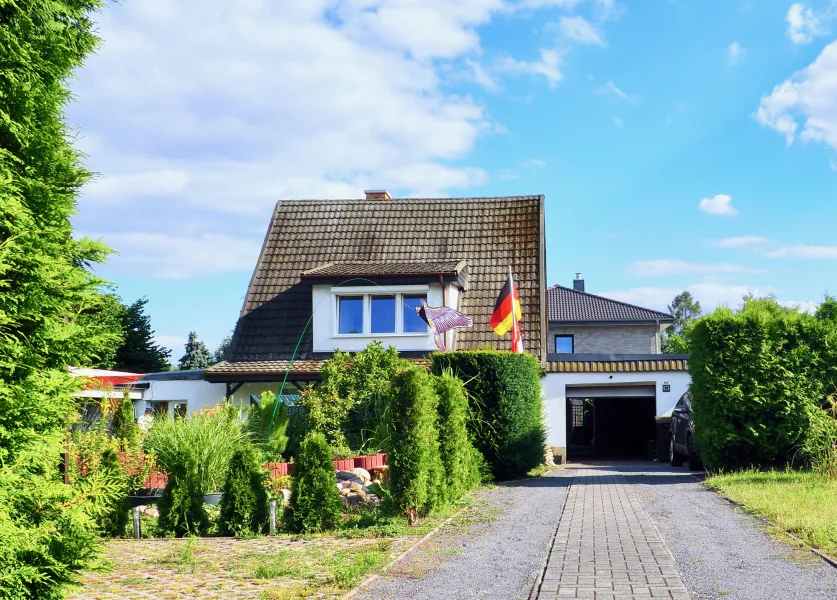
x=610, y=531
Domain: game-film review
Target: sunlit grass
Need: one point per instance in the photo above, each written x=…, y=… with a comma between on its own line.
x=800, y=502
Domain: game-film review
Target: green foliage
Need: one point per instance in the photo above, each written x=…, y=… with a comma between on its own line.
x=244, y=503
x=105, y=316
x=138, y=353
x=181, y=505
x=197, y=355
x=462, y=462
x=686, y=311
x=315, y=501
x=415, y=466
x=350, y=401
x=759, y=377
x=124, y=425
x=827, y=311
x=115, y=518
x=211, y=436
x=267, y=423
x=222, y=350
x=507, y=408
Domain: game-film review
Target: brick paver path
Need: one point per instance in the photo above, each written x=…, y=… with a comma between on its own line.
x=606, y=546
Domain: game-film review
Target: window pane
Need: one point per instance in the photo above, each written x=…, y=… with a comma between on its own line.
x=350, y=314
x=383, y=314
x=564, y=344
x=412, y=322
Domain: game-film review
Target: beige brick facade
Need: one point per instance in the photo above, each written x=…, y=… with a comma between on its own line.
x=610, y=339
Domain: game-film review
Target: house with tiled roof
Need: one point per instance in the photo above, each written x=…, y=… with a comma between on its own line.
x=341, y=273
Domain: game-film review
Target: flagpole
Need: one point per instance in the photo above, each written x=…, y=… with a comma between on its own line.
x=514, y=316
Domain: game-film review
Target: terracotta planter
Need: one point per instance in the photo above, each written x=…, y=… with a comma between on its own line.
x=366, y=462
x=277, y=469
x=344, y=465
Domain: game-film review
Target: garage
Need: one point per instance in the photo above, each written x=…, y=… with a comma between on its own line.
x=610, y=421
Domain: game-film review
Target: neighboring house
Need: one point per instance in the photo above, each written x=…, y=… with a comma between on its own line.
x=582, y=323
x=606, y=377
x=342, y=273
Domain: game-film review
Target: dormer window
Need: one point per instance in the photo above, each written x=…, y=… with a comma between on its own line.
x=378, y=314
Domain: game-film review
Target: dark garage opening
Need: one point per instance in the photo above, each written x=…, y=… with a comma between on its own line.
x=610, y=427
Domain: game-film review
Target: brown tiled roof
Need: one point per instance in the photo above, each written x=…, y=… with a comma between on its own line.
x=279, y=367
x=567, y=305
x=618, y=366
x=387, y=269
x=487, y=233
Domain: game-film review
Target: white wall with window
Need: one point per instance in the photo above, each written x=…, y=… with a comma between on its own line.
x=349, y=318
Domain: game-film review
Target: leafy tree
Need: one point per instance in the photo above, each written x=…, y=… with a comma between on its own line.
x=315, y=501
x=139, y=353
x=223, y=349
x=107, y=315
x=197, y=356
x=47, y=530
x=686, y=311
x=244, y=503
x=827, y=311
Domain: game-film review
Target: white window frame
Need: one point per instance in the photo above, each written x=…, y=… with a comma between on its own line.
x=366, y=292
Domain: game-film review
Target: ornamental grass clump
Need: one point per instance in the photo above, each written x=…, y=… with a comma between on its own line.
x=211, y=436
x=244, y=503
x=462, y=461
x=415, y=465
x=315, y=501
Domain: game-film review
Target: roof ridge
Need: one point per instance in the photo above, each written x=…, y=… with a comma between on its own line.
x=605, y=298
x=411, y=198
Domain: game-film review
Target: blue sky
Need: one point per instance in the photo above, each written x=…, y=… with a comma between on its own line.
x=680, y=144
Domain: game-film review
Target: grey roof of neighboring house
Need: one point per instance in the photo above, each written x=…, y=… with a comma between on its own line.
x=173, y=375
x=411, y=234
x=566, y=305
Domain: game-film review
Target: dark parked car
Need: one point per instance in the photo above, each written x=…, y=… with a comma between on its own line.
x=681, y=435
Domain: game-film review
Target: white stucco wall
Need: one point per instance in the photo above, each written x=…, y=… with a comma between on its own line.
x=554, y=387
x=324, y=326
x=197, y=394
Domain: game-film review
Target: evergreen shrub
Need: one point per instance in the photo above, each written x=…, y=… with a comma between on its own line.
x=759, y=379
x=507, y=407
x=244, y=503
x=181, y=505
x=114, y=519
x=416, y=471
x=124, y=425
x=315, y=501
x=462, y=461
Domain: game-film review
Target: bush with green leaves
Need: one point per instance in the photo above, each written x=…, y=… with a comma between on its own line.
x=244, y=503
x=315, y=501
x=504, y=390
x=462, y=461
x=181, y=505
x=416, y=471
x=212, y=436
x=267, y=423
x=759, y=378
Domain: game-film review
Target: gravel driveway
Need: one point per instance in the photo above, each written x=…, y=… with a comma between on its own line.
x=494, y=550
x=722, y=552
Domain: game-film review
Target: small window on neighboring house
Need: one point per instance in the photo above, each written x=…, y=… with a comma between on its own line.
x=383, y=314
x=412, y=322
x=350, y=314
x=564, y=344
x=180, y=409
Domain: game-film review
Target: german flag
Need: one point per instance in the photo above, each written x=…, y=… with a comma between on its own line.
x=503, y=317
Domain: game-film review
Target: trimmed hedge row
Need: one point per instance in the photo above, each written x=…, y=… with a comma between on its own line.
x=504, y=391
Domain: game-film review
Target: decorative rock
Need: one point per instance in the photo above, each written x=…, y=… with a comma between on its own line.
x=356, y=487
x=286, y=497
x=373, y=499
x=343, y=475
x=345, y=492
x=362, y=473
x=352, y=499
x=151, y=512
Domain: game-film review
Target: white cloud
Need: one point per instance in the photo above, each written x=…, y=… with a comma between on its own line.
x=803, y=24
x=669, y=267
x=735, y=54
x=533, y=162
x=808, y=252
x=720, y=204
x=157, y=182
x=618, y=122
x=833, y=164
x=612, y=88
x=740, y=242
x=547, y=66
x=482, y=76
x=805, y=101
x=710, y=295
x=580, y=30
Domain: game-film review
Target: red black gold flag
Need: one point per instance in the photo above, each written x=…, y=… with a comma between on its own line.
x=507, y=314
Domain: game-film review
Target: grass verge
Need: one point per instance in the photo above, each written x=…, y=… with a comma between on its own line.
x=800, y=502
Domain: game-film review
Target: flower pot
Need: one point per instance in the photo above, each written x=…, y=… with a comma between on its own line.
x=213, y=499
x=366, y=462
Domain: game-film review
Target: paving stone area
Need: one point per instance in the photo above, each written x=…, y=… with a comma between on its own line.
x=606, y=546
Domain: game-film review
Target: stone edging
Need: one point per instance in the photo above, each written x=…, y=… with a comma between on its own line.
x=536, y=587
x=372, y=578
x=828, y=559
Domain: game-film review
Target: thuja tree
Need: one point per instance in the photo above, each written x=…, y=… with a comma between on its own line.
x=244, y=503
x=315, y=501
x=46, y=529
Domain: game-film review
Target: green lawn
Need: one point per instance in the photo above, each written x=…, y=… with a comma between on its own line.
x=802, y=503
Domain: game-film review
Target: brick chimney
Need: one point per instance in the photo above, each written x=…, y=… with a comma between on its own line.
x=377, y=195
x=578, y=283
